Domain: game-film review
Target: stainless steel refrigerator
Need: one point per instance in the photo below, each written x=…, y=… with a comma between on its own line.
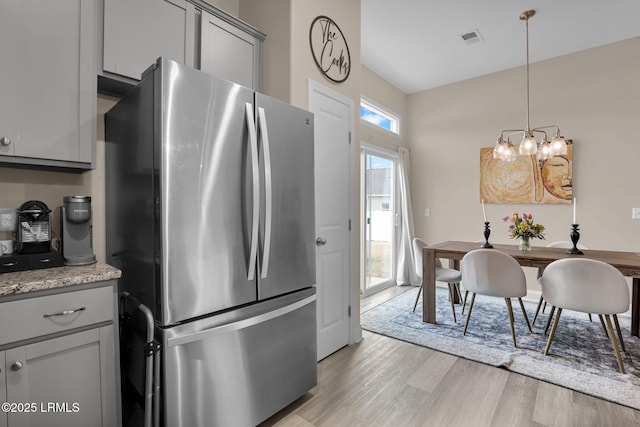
x=210, y=217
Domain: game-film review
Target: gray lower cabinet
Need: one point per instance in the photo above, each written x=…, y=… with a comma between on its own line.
x=61, y=370
x=47, y=83
x=3, y=389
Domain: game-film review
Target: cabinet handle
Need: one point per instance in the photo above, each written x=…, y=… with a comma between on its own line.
x=5, y=141
x=9, y=264
x=16, y=366
x=64, y=312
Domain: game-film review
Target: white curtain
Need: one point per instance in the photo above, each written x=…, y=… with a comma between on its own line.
x=406, y=273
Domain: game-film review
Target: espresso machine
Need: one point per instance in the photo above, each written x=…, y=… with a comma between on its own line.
x=76, y=228
x=34, y=228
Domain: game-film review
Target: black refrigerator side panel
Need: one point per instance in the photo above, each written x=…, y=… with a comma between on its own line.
x=130, y=201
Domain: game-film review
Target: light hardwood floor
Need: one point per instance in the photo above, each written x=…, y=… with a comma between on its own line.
x=386, y=382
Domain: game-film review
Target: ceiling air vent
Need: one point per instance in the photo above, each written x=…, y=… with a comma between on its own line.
x=471, y=37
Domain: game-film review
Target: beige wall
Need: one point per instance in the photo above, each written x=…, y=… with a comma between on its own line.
x=594, y=97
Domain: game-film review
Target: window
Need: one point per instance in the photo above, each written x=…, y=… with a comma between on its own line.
x=379, y=117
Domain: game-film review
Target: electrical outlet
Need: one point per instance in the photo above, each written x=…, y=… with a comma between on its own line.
x=426, y=212
x=635, y=213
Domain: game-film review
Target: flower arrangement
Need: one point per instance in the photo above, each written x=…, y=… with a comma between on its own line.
x=523, y=227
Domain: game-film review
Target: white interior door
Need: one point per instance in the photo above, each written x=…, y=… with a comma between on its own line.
x=333, y=159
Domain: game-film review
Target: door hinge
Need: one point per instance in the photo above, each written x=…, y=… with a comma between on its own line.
x=349, y=225
x=349, y=311
x=349, y=138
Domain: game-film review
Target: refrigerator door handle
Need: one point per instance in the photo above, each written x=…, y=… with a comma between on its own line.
x=266, y=244
x=253, y=140
x=240, y=324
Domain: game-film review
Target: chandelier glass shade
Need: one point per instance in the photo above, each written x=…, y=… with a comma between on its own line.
x=543, y=150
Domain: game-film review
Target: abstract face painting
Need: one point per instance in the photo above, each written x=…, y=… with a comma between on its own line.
x=526, y=180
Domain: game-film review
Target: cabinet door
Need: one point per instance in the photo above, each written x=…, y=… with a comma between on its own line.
x=230, y=53
x=3, y=390
x=137, y=32
x=65, y=379
x=48, y=84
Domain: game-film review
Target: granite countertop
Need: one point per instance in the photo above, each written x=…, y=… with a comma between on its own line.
x=21, y=282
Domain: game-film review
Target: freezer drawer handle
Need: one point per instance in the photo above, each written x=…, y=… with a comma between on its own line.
x=253, y=139
x=266, y=244
x=64, y=312
x=241, y=324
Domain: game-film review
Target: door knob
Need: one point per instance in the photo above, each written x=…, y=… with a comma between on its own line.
x=5, y=141
x=16, y=366
x=320, y=241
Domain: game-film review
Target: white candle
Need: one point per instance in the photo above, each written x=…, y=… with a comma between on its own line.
x=484, y=214
x=574, y=211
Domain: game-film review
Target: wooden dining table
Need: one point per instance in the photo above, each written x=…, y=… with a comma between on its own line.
x=628, y=263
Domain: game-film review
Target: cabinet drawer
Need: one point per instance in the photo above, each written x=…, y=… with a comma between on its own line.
x=9, y=263
x=33, y=317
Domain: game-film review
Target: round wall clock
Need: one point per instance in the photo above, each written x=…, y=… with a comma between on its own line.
x=329, y=49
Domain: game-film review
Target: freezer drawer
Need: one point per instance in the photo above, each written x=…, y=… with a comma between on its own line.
x=239, y=368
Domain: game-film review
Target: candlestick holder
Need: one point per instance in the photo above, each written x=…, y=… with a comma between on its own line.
x=487, y=232
x=575, y=236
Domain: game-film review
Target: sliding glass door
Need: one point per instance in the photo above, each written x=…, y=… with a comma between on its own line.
x=379, y=219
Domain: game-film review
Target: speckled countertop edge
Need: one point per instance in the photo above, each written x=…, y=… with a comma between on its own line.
x=20, y=282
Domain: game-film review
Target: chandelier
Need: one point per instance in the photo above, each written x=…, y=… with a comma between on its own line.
x=545, y=149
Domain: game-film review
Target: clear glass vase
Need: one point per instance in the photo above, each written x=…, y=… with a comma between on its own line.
x=525, y=244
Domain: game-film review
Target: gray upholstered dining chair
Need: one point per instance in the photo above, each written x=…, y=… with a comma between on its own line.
x=563, y=244
x=588, y=286
x=494, y=273
x=448, y=275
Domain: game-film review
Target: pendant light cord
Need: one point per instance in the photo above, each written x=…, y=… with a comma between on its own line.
x=527, y=40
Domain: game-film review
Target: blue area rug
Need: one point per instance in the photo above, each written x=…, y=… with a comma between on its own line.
x=581, y=357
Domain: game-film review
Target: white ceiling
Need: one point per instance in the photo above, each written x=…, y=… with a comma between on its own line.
x=416, y=44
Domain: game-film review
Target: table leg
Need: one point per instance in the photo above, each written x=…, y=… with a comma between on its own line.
x=428, y=285
x=635, y=307
x=455, y=264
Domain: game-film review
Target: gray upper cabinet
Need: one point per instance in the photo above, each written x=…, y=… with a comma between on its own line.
x=192, y=32
x=137, y=32
x=47, y=83
x=231, y=52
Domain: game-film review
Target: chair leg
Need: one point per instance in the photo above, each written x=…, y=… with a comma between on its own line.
x=544, y=307
x=458, y=292
x=614, y=342
x=546, y=327
x=535, y=316
x=553, y=330
x=513, y=329
x=524, y=312
x=473, y=298
x=590, y=319
x=603, y=325
x=464, y=301
x=615, y=320
x=451, y=299
x=417, y=298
